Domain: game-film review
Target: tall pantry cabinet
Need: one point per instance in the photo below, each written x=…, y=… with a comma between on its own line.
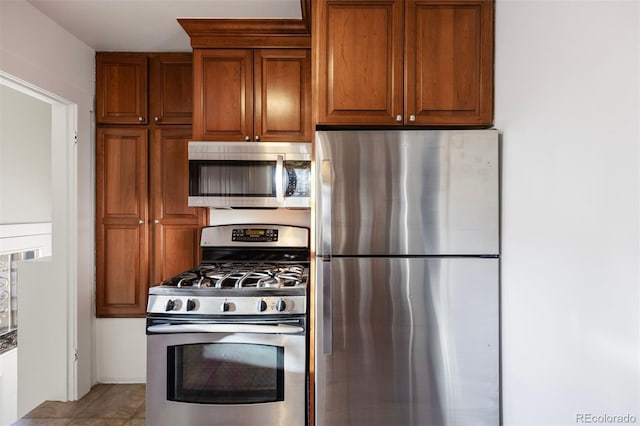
x=404, y=62
x=144, y=230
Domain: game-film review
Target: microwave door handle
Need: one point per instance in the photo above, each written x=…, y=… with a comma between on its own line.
x=325, y=206
x=279, y=179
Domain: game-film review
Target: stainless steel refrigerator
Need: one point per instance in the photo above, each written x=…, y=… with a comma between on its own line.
x=407, y=278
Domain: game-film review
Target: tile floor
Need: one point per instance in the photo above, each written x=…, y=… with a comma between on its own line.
x=104, y=405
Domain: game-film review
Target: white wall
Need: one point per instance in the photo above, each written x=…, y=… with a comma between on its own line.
x=567, y=103
x=25, y=158
x=36, y=50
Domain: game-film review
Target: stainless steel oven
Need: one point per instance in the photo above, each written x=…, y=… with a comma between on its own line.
x=226, y=340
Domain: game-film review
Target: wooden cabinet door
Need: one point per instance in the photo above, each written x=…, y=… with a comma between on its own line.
x=282, y=95
x=121, y=222
x=121, y=88
x=223, y=94
x=449, y=62
x=175, y=228
x=358, y=49
x=171, y=88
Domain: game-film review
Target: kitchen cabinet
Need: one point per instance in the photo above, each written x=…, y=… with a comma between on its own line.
x=252, y=95
x=175, y=228
x=171, y=88
x=404, y=62
x=122, y=221
x=137, y=88
x=121, y=88
x=145, y=231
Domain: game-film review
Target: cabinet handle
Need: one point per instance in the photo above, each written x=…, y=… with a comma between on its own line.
x=141, y=221
x=247, y=138
x=156, y=119
x=156, y=221
x=141, y=119
x=257, y=138
x=412, y=118
x=399, y=118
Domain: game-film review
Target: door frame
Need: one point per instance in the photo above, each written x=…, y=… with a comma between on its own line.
x=64, y=238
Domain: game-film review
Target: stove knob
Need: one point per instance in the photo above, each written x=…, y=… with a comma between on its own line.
x=191, y=305
x=281, y=305
x=225, y=307
x=171, y=305
x=262, y=306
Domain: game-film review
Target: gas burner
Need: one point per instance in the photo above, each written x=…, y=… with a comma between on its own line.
x=238, y=275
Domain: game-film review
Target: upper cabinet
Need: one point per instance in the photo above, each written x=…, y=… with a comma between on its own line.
x=171, y=88
x=121, y=88
x=140, y=88
x=252, y=78
x=252, y=95
x=404, y=62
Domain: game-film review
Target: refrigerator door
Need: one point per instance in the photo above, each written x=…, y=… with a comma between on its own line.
x=408, y=192
x=408, y=341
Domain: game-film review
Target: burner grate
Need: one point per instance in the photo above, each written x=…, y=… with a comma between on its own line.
x=241, y=275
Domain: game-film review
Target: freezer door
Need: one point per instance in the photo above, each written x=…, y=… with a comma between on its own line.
x=410, y=341
x=408, y=192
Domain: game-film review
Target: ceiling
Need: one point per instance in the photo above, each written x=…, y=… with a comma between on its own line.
x=151, y=25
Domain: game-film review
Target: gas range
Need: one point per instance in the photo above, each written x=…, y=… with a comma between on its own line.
x=254, y=269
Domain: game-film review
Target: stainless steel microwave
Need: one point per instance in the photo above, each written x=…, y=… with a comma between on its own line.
x=249, y=174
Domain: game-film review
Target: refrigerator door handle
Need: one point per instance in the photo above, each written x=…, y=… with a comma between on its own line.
x=327, y=322
x=325, y=205
x=325, y=194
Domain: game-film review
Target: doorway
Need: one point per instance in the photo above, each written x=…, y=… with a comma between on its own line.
x=57, y=276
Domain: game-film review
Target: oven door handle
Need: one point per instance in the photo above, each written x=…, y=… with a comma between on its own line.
x=225, y=328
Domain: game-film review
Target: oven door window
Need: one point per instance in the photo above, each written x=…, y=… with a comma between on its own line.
x=225, y=373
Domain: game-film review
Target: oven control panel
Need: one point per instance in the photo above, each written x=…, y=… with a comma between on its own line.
x=213, y=305
x=252, y=235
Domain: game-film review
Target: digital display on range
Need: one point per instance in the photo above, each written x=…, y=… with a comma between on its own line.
x=254, y=235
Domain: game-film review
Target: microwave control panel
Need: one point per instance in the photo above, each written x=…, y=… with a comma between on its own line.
x=298, y=178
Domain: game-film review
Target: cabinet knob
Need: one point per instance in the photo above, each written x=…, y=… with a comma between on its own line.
x=141, y=119
x=156, y=221
x=257, y=138
x=412, y=118
x=141, y=221
x=156, y=119
x=399, y=118
x=247, y=138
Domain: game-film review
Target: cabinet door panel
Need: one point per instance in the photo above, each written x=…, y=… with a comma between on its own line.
x=121, y=88
x=176, y=249
x=169, y=175
x=123, y=246
x=282, y=90
x=121, y=221
x=359, y=62
x=449, y=62
x=171, y=83
x=175, y=226
x=223, y=83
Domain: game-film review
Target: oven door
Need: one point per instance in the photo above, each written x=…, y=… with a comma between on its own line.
x=226, y=374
